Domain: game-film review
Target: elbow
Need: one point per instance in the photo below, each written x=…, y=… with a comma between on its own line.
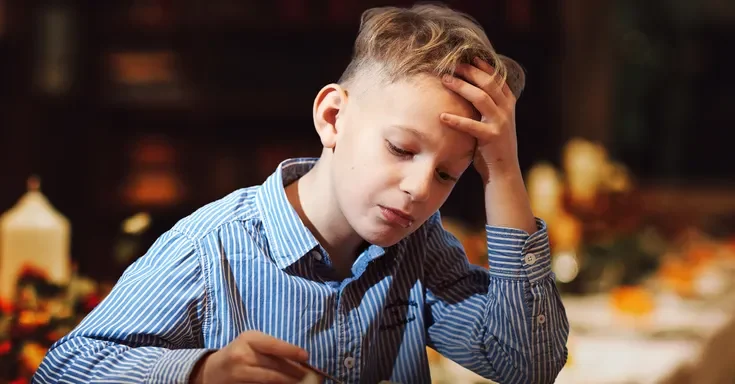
x=58, y=359
x=63, y=355
x=52, y=367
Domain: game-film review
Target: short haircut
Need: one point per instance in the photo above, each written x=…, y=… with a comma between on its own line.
x=424, y=39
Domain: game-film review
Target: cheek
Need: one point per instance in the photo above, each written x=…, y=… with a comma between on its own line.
x=439, y=196
x=367, y=178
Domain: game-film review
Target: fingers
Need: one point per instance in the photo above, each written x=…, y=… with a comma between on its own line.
x=486, y=67
x=278, y=364
x=250, y=374
x=478, y=79
x=480, y=85
x=472, y=127
x=251, y=366
x=479, y=98
x=269, y=345
x=485, y=79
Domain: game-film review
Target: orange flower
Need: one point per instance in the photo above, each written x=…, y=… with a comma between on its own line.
x=33, y=319
x=632, y=300
x=700, y=254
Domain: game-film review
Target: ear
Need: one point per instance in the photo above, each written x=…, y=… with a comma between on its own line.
x=327, y=106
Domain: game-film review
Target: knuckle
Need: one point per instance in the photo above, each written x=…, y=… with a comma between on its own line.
x=487, y=84
x=248, y=357
x=236, y=356
x=484, y=98
x=247, y=334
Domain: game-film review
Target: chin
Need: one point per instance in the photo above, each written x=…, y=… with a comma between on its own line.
x=383, y=237
x=383, y=241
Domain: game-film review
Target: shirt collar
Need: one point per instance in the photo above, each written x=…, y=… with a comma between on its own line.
x=288, y=237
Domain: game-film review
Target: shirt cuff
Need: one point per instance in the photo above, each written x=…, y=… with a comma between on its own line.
x=513, y=254
x=175, y=366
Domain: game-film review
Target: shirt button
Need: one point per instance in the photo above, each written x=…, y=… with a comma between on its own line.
x=317, y=255
x=530, y=259
x=349, y=362
x=541, y=319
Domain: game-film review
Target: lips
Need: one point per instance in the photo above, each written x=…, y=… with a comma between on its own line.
x=397, y=217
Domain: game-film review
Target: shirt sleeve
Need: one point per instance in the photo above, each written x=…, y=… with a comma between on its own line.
x=147, y=330
x=506, y=323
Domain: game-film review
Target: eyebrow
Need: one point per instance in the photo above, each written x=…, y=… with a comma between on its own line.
x=421, y=136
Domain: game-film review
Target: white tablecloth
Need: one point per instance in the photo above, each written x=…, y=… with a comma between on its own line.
x=604, y=349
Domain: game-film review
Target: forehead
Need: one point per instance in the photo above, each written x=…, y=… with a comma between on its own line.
x=418, y=102
x=420, y=94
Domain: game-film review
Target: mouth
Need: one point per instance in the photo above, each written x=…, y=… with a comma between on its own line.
x=397, y=217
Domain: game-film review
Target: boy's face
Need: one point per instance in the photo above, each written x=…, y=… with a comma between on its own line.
x=394, y=161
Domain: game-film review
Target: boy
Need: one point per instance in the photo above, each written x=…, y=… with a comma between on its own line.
x=342, y=261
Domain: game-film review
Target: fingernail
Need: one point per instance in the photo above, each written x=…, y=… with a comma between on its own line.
x=447, y=79
x=444, y=117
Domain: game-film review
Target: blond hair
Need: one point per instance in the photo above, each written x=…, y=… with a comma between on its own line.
x=424, y=39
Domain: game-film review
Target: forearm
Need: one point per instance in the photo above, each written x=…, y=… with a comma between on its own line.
x=506, y=202
x=506, y=323
x=86, y=360
x=501, y=336
x=525, y=316
x=526, y=332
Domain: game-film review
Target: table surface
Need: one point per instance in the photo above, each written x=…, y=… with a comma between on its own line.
x=605, y=349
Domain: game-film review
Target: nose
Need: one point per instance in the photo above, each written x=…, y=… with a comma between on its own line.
x=417, y=182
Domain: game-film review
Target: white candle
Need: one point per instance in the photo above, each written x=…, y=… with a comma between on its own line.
x=33, y=234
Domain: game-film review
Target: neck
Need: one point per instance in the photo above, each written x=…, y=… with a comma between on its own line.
x=313, y=198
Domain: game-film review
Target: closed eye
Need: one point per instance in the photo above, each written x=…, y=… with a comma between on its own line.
x=445, y=176
x=400, y=152
x=406, y=154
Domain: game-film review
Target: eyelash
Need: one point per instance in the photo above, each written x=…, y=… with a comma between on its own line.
x=398, y=151
x=405, y=154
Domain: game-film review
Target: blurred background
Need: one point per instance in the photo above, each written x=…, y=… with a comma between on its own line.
x=120, y=117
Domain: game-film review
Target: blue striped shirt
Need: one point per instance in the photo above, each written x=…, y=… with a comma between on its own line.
x=247, y=262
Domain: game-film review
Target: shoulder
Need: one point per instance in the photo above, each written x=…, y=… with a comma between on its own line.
x=236, y=207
